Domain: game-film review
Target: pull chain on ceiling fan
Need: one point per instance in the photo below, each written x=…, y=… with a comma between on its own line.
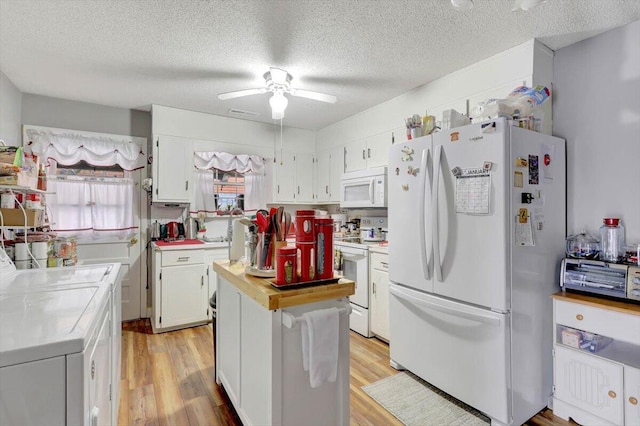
x=278, y=82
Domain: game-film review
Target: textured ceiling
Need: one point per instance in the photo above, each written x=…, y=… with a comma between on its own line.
x=135, y=53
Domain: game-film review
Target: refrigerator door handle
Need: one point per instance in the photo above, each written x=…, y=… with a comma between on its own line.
x=437, y=265
x=424, y=244
x=486, y=318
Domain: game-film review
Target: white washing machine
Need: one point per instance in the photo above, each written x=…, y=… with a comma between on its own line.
x=58, y=345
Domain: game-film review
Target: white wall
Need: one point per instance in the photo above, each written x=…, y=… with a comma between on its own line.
x=10, y=111
x=216, y=133
x=493, y=77
x=597, y=110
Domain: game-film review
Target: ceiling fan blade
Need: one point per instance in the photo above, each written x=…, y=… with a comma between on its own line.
x=240, y=93
x=317, y=96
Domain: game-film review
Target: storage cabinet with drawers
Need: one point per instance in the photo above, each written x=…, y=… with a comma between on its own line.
x=379, y=293
x=596, y=360
x=179, y=289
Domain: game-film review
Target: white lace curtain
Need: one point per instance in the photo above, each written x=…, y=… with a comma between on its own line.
x=70, y=147
x=251, y=166
x=90, y=208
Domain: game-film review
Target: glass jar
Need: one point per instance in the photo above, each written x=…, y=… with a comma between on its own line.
x=611, y=240
x=582, y=246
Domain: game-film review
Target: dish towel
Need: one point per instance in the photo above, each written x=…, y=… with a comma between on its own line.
x=320, y=345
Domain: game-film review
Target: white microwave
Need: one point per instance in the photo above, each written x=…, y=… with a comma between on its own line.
x=364, y=188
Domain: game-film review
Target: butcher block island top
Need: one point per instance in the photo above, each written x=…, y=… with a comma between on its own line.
x=271, y=298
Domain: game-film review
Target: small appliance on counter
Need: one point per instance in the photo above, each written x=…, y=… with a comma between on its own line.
x=601, y=278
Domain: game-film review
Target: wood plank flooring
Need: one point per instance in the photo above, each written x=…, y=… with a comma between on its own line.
x=169, y=379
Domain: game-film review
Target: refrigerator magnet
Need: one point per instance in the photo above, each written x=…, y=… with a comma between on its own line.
x=523, y=215
x=518, y=179
x=405, y=187
x=413, y=171
x=521, y=162
x=533, y=170
x=454, y=136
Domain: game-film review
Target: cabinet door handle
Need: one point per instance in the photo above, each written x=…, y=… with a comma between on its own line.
x=579, y=317
x=363, y=157
x=298, y=189
x=278, y=189
x=326, y=189
x=201, y=280
x=633, y=401
x=183, y=259
x=611, y=394
x=374, y=288
x=368, y=152
x=186, y=185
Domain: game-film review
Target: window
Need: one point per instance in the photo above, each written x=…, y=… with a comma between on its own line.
x=91, y=201
x=228, y=189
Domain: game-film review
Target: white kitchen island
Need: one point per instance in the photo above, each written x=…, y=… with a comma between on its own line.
x=259, y=350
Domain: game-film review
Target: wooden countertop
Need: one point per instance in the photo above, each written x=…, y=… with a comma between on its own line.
x=599, y=302
x=261, y=290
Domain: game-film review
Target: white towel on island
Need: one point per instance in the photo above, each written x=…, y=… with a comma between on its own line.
x=320, y=345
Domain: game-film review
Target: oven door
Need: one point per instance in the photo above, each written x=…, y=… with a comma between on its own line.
x=356, y=268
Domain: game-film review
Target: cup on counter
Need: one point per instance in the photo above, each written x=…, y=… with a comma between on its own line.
x=22, y=252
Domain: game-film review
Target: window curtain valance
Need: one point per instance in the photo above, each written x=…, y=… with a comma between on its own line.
x=99, y=149
x=224, y=161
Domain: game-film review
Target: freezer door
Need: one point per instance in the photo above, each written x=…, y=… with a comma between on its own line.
x=410, y=245
x=469, y=217
x=460, y=349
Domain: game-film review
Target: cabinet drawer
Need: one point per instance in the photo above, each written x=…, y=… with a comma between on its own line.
x=616, y=325
x=182, y=257
x=379, y=261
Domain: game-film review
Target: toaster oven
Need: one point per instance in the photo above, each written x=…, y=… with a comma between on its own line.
x=603, y=278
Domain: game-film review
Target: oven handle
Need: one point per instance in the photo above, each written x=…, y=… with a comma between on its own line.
x=353, y=257
x=371, y=184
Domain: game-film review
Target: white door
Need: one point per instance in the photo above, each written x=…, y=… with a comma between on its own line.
x=409, y=201
x=336, y=170
x=355, y=156
x=631, y=395
x=128, y=252
x=458, y=348
x=589, y=383
x=378, y=150
x=304, y=177
x=285, y=172
x=183, y=295
x=470, y=246
x=323, y=176
x=171, y=168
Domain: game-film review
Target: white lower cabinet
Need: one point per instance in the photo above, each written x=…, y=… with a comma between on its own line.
x=259, y=364
x=379, y=297
x=210, y=256
x=179, y=290
x=600, y=386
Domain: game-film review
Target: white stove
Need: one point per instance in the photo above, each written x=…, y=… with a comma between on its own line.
x=354, y=249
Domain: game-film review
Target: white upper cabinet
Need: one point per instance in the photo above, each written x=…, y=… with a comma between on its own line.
x=171, y=169
x=304, y=177
x=367, y=153
x=293, y=181
x=329, y=169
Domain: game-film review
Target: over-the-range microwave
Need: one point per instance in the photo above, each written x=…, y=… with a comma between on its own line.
x=364, y=188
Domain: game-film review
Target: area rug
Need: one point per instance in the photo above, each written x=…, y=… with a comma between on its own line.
x=415, y=402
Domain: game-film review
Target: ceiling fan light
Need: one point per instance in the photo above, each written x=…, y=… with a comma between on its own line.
x=278, y=104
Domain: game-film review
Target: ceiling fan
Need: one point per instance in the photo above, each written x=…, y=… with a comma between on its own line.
x=278, y=81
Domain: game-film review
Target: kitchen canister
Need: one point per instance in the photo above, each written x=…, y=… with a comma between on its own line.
x=22, y=264
x=40, y=250
x=304, y=226
x=286, y=265
x=324, y=248
x=8, y=200
x=611, y=240
x=306, y=260
x=22, y=252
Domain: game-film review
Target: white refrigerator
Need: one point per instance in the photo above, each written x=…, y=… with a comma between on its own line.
x=477, y=222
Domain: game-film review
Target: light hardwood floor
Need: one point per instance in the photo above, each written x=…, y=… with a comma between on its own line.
x=169, y=379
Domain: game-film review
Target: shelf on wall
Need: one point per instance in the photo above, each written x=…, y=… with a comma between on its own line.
x=17, y=188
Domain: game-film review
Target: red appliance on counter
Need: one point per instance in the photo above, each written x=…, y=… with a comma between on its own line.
x=172, y=230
